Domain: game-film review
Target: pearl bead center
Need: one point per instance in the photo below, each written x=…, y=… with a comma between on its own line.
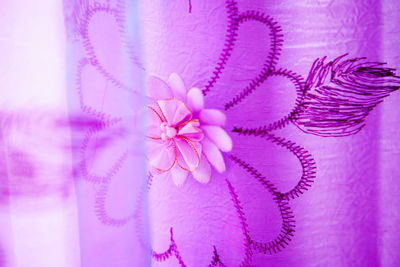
x=167, y=131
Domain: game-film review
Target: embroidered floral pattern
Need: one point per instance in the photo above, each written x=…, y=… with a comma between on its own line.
x=183, y=136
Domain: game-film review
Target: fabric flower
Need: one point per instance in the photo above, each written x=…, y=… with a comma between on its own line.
x=184, y=137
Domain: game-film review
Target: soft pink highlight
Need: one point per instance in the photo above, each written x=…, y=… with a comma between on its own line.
x=183, y=137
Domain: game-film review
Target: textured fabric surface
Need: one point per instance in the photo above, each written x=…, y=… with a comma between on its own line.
x=299, y=189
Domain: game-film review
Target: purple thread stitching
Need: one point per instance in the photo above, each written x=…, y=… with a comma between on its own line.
x=83, y=164
x=163, y=256
x=276, y=36
x=173, y=249
x=86, y=109
x=216, y=261
x=272, y=59
x=337, y=97
x=246, y=261
x=100, y=198
x=286, y=234
x=341, y=93
x=107, y=119
x=299, y=84
x=138, y=216
x=231, y=36
x=288, y=222
x=284, y=237
x=266, y=183
x=79, y=8
x=287, y=231
x=305, y=158
x=129, y=46
x=101, y=211
x=190, y=6
x=363, y=72
x=176, y=251
x=89, y=47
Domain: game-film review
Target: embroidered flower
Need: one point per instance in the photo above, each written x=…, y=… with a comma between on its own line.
x=184, y=137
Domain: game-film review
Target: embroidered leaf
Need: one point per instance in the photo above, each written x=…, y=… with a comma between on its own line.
x=341, y=93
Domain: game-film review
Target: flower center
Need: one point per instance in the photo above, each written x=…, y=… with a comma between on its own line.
x=167, y=131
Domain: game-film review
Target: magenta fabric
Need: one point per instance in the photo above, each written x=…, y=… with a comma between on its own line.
x=312, y=178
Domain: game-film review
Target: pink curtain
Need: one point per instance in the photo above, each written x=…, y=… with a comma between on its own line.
x=312, y=178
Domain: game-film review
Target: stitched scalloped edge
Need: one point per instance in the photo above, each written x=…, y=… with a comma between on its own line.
x=101, y=211
x=87, y=109
x=276, y=36
x=283, y=238
x=247, y=240
x=230, y=39
x=299, y=84
x=173, y=249
x=138, y=215
x=286, y=234
x=305, y=158
x=120, y=19
x=97, y=179
x=125, y=39
x=272, y=59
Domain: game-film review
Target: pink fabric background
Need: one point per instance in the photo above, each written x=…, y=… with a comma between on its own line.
x=103, y=215
x=346, y=217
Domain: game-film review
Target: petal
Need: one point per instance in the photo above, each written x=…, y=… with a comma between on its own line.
x=213, y=155
x=219, y=137
x=288, y=159
x=98, y=97
x=188, y=154
x=255, y=192
x=104, y=150
x=103, y=41
x=153, y=123
x=195, y=99
x=158, y=89
x=178, y=175
x=174, y=111
x=161, y=155
x=177, y=86
x=203, y=172
x=212, y=117
x=191, y=132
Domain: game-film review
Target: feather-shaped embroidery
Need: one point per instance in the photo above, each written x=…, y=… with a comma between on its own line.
x=340, y=94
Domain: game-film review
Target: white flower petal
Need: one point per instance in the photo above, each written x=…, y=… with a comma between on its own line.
x=177, y=86
x=219, y=137
x=158, y=89
x=188, y=153
x=161, y=156
x=203, y=172
x=213, y=155
x=212, y=117
x=195, y=99
x=178, y=175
